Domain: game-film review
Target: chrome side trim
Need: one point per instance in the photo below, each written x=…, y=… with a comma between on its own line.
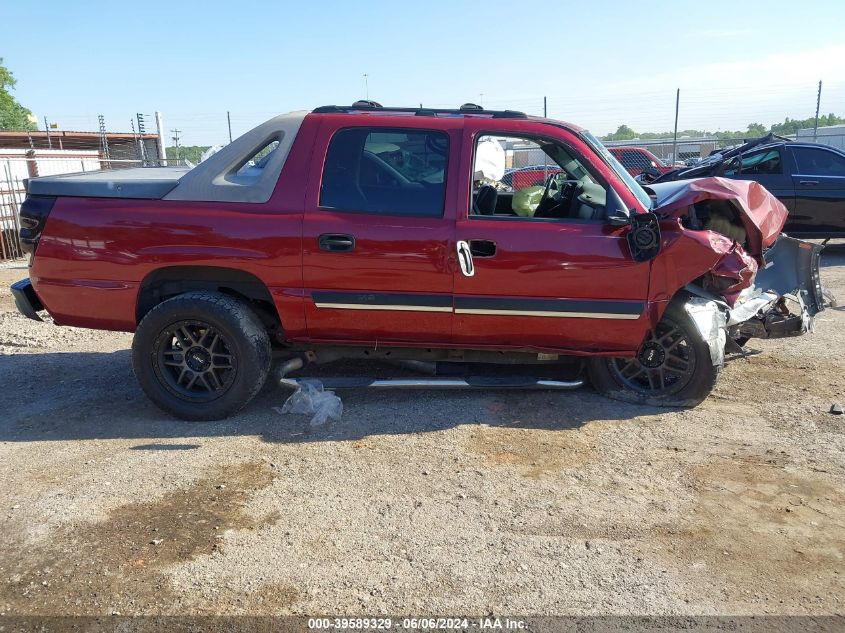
x=366, y=306
x=542, y=313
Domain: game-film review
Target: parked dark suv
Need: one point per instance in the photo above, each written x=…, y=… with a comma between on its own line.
x=808, y=178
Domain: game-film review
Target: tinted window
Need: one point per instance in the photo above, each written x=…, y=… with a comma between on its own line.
x=818, y=162
x=767, y=162
x=391, y=172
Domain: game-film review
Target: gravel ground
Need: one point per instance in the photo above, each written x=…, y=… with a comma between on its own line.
x=425, y=502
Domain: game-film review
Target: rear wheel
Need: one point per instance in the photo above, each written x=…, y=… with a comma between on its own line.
x=672, y=367
x=201, y=355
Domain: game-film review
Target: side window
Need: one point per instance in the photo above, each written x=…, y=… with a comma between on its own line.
x=766, y=162
x=522, y=178
x=818, y=162
x=386, y=171
x=250, y=171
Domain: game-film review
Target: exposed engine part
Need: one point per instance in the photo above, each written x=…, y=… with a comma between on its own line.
x=788, y=316
x=750, y=304
x=722, y=217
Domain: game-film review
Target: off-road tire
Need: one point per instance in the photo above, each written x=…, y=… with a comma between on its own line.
x=701, y=381
x=247, y=347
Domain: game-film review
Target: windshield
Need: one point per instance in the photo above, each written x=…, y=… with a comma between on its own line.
x=619, y=170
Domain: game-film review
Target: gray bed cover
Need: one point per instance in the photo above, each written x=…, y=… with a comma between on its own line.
x=150, y=183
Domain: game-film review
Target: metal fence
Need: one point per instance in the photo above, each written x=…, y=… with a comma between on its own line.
x=11, y=197
x=16, y=165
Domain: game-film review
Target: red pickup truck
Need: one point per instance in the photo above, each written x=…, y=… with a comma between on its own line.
x=638, y=159
x=368, y=232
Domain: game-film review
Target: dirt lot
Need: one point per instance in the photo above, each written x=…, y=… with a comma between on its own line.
x=436, y=503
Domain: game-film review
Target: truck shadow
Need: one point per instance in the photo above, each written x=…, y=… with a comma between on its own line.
x=67, y=396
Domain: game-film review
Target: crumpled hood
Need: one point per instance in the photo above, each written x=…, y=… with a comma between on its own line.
x=762, y=215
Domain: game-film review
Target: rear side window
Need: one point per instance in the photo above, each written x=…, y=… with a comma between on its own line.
x=818, y=162
x=386, y=171
x=250, y=171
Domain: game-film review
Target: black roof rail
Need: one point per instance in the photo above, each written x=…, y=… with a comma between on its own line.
x=496, y=114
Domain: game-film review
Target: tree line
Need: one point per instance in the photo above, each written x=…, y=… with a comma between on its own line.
x=190, y=153
x=789, y=126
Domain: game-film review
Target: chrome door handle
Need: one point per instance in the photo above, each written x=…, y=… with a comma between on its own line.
x=465, y=259
x=336, y=242
x=808, y=182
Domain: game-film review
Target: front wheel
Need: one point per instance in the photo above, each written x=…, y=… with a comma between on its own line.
x=672, y=368
x=201, y=355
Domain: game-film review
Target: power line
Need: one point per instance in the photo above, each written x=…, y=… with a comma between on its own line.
x=175, y=138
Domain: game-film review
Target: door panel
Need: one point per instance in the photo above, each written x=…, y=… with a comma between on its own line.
x=551, y=284
x=395, y=285
x=819, y=193
x=376, y=258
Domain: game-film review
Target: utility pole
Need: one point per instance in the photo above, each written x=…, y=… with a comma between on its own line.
x=176, y=141
x=545, y=111
x=481, y=99
x=675, y=137
x=229, y=121
x=50, y=141
x=162, y=155
x=366, y=87
x=818, y=104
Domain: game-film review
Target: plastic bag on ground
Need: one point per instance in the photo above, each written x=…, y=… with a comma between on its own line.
x=310, y=399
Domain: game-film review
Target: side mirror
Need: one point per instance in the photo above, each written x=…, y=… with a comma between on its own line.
x=644, y=237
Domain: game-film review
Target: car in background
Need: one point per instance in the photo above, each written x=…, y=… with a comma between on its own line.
x=636, y=160
x=807, y=177
x=529, y=176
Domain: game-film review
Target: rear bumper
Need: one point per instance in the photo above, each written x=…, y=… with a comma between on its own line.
x=26, y=301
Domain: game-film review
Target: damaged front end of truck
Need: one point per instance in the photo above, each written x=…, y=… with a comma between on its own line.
x=759, y=283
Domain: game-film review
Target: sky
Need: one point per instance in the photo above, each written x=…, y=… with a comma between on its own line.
x=599, y=63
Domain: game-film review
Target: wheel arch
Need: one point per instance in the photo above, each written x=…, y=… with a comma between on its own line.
x=170, y=281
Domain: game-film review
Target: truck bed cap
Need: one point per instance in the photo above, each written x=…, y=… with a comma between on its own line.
x=150, y=183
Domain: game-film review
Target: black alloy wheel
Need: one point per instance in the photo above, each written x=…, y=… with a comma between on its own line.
x=664, y=365
x=195, y=361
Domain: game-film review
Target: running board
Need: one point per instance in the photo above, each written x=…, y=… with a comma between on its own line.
x=469, y=382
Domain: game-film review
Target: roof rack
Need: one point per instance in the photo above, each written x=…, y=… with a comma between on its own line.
x=496, y=114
